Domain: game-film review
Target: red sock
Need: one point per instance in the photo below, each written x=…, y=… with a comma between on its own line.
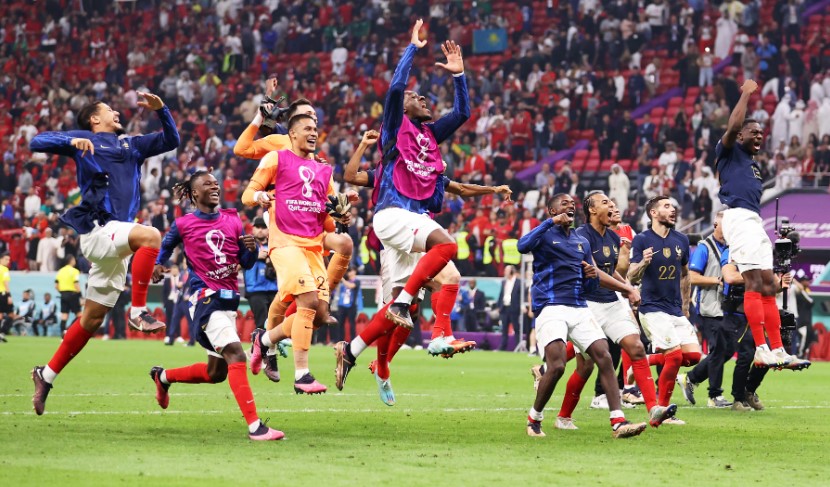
x=644, y=380
x=383, y=355
x=690, y=358
x=626, y=364
x=72, y=344
x=671, y=366
x=446, y=302
x=238, y=380
x=754, y=310
x=570, y=352
x=437, y=327
x=572, y=392
x=398, y=338
x=143, y=263
x=656, y=359
x=429, y=266
x=192, y=374
x=772, y=321
x=292, y=308
x=377, y=326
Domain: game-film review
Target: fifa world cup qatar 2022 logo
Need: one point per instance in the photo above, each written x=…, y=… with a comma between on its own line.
x=418, y=167
x=215, y=240
x=307, y=176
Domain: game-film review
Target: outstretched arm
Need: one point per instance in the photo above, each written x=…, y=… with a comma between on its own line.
x=393, y=106
x=351, y=174
x=469, y=190
x=736, y=120
x=61, y=143
x=160, y=142
x=444, y=127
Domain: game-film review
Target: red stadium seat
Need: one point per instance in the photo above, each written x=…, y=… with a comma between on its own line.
x=676, y=101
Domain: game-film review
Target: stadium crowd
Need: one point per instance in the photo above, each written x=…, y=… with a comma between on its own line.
x=572, y=70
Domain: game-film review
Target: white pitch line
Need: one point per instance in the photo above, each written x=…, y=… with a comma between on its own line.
x=287, y=394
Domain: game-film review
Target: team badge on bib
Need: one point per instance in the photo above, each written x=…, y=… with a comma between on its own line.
x=666, y=252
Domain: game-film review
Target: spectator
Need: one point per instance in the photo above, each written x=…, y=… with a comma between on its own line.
x=706, y=63
x=31, y=204
x=703, y=206
x=619, y=186
x=668, y=158
x=509, y=304
x=47, y=252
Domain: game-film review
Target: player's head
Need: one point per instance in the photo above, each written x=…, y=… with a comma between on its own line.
x=561, y=203
x=661, y=210
x=5, y=259
x=718, y=226
x=597, y=208
x=100, y=117
x=201, y=189
x=751, y=136
x=302, y=129
x=300, y=106
x=415, y=107
x=616, y=215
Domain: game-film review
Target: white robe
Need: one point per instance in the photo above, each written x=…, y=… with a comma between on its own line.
x=726, y=35
x=810, y=121
x=619, y=185
x=824, y=118
x=779, y=120
x=796, y=125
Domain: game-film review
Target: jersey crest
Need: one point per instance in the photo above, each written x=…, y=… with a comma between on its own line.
x=666, y=252
x=679, y=252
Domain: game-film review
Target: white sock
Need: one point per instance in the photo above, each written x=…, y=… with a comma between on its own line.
x=137, y=310
x=357, y=346
x=48, y=374
x=404, y=298
x=449, y=339
x=617, y=413
x=272, y=350
x=254, y=426
x=764, y=347
x=535, y=415
x=779, y=349
x=163, y=377
x=266, y=340
x=299, y=373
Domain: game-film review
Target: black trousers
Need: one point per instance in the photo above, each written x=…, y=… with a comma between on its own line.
x=722, y=341
x=507, y=317
x=747, y=377
x=260, y=301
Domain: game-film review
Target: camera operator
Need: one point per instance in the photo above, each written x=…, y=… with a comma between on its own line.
x=805, y=336
x=705, y=271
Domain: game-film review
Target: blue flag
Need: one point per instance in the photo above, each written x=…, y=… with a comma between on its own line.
x=489, y=40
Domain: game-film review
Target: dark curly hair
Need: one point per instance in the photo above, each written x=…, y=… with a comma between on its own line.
x=184, y=189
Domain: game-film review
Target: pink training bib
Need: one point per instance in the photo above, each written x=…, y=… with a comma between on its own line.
x=300, y=195
x=419, y=164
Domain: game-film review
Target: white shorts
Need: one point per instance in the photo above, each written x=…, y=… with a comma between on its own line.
x=395, y=269
x=668, y=331
x=403, y=230
x=615, y=319
x=566, y=323
x=749, y=245
x=220, y=330
x=108, y=249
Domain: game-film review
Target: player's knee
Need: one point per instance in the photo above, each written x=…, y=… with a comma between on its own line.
x=342, y=244
x=308, y=300
x=144, y=236
x=218, y=375
x=637, y=351
x=555, y=368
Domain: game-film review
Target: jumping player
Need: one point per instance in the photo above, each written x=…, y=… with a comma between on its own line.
x=562, y=275
x=743, y=230
x=211, y=238
x=661, y=262
x=341, y=244
x=302, y=186
x=109, y=174
x=443, y=342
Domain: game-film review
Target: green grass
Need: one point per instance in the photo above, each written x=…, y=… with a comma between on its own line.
x=457, y=422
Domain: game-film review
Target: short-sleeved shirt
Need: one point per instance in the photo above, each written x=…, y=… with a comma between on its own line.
x=4, y=278
x=661, y=281
x=740, y=178
x=66, y=278
x=606, y=252
x=701, y=256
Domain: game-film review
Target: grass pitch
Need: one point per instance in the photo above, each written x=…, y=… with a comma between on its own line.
x=457, y=422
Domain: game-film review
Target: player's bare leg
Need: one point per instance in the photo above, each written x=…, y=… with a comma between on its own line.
x=555, y=359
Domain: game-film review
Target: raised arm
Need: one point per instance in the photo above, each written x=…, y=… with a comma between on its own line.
x=736, y=120
x=160, y=142
x=445, y=126
x=469, y=190
x=393, y=106
x=351, y=174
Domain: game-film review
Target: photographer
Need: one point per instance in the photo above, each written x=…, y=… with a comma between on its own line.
x=705, y=271
x=261, y=279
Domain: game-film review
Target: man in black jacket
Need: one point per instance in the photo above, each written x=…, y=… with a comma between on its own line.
x=509, y=303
